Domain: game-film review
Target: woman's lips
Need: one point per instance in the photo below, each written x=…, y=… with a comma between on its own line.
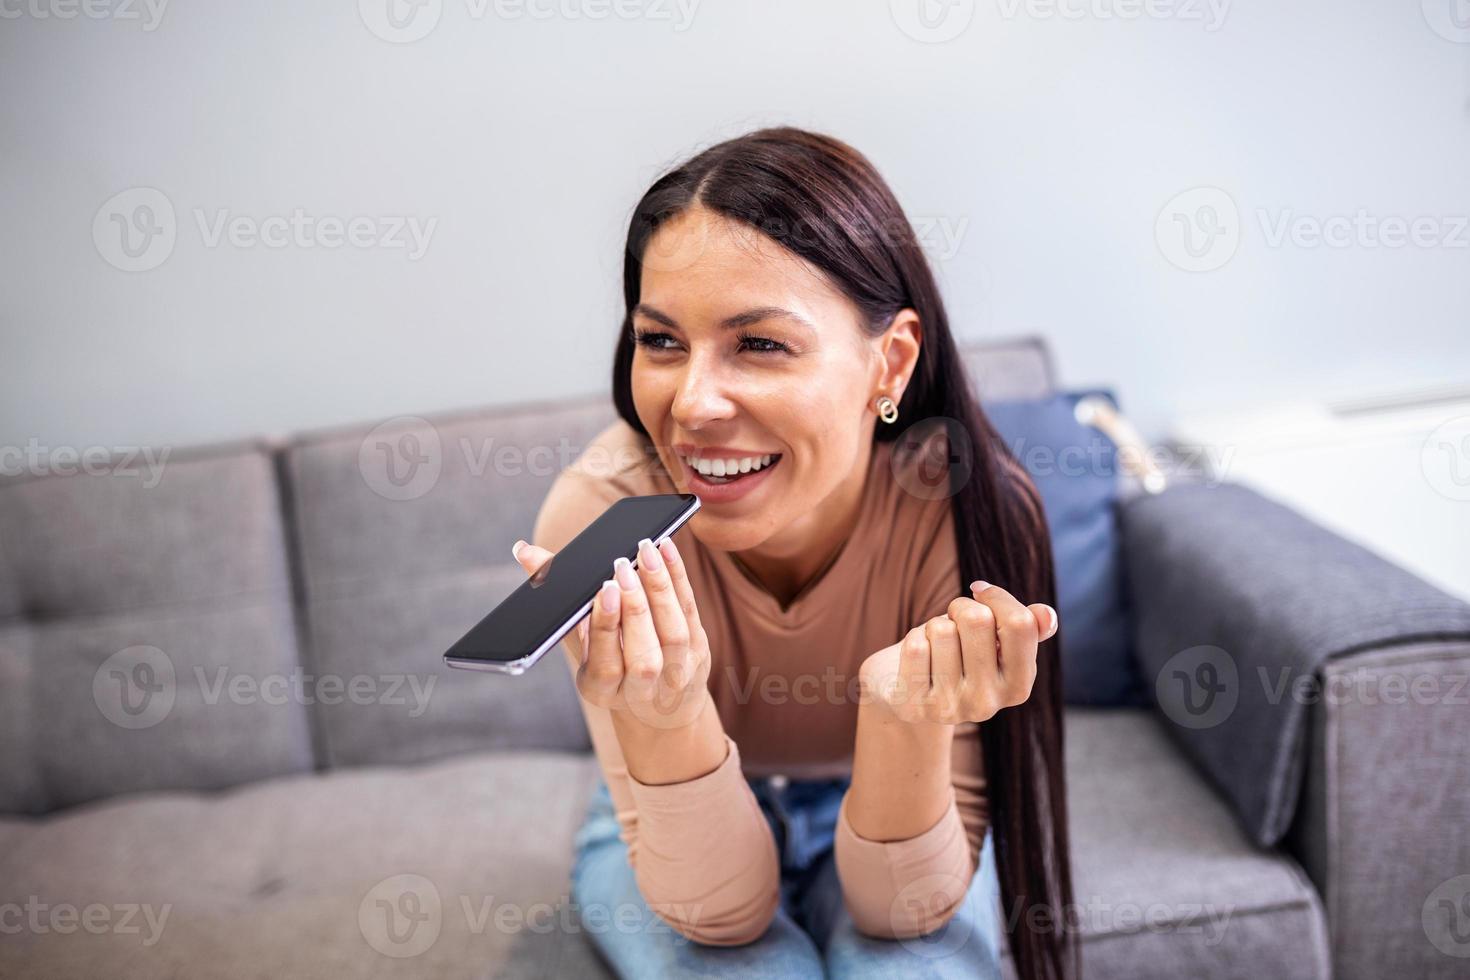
x=724, y=493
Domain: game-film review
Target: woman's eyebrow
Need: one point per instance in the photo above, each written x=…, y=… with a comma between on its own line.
x=745, y=319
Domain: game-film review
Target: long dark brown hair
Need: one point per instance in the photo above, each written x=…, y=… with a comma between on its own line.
x=823, y=201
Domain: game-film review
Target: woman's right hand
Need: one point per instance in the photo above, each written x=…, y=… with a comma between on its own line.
x=644, y=650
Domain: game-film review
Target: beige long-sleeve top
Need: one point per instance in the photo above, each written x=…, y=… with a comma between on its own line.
x=785, y=683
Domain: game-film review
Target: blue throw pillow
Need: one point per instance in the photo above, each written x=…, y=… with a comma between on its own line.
x=1074, y=467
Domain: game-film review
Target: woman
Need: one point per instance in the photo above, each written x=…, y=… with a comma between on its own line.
x=824, y=733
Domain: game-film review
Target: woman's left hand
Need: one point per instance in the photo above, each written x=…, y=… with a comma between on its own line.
x=963, y=666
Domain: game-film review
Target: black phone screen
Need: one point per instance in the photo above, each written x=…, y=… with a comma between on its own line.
x=541, y=610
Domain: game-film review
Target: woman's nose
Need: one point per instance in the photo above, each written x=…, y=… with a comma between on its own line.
x=700, y=399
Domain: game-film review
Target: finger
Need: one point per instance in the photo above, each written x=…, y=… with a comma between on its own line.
x=913, y=667
x=1015, y=624
x=945, y=673
x=679, y=575
x=601, y=673
x=1046, y=619
x=529, y=556
x=642, y=658
x=977, y=642
x=1018, y=638
x=668, y=617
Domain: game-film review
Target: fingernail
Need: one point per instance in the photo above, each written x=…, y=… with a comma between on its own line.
x=515, y=549
x=667, y=549
x=979, y=585
x=1053, y=618
x=608, y=596
x=647, y=556
x=623, y=572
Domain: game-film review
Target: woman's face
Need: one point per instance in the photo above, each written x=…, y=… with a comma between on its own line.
x=745, y=351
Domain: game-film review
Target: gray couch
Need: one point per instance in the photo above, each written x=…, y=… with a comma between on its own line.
x=228, y=746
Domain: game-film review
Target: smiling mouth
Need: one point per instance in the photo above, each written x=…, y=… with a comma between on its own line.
x=721, y=471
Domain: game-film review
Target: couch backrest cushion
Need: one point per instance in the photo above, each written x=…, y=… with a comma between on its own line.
x=403, y=533
x=145, y=625
x=1002, y=370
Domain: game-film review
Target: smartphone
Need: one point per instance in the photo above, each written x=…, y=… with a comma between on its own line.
x=535, y=617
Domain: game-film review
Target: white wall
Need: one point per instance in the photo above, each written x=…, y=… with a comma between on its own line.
x=1052, y=143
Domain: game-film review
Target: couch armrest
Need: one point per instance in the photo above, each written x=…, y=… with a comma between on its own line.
x=1238, y=602
x=1248, y=620
x=1384, y=823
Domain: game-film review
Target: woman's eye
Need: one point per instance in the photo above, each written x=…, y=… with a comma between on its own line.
x=761, y=345
x=652, y=339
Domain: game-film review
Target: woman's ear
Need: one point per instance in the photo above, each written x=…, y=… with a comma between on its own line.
x=898, y=349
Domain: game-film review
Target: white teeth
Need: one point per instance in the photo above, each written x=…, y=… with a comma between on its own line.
x=729, y=467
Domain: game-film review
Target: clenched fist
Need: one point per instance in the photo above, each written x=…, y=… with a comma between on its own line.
x=643, y=648
x=963, y=666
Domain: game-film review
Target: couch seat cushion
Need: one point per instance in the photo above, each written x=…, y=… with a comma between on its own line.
x=455, y=869
x=1167, y=884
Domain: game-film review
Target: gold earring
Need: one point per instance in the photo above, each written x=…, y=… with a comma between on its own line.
x=887, y=409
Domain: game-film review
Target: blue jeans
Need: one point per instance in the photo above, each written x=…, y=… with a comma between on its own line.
x=811, y=935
